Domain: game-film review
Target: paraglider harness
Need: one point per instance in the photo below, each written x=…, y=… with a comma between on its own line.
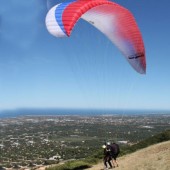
x=114, y=150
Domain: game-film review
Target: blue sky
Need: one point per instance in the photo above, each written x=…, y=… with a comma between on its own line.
x=85, y=70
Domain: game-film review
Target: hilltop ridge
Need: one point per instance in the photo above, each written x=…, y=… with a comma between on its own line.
x=152, y=153
x=155, y=157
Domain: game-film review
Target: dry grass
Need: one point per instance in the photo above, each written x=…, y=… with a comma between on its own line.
x=156, y=157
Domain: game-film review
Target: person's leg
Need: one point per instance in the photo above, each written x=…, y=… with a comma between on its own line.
x=109, y=158
x=109, y=162
x=115, y=160
x=115, y=164
x=105, y=162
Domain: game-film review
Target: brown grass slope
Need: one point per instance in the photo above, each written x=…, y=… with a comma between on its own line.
x=155, y=157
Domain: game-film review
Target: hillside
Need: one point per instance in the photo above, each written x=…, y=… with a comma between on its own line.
x=155, y=157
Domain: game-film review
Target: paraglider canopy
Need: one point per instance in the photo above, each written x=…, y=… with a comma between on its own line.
x=113, y=20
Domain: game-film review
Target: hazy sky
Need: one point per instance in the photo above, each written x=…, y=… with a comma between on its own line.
x=85, y=70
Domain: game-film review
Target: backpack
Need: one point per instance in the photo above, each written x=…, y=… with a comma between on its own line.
x=115, y=149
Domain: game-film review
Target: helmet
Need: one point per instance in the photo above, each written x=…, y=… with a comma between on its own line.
x=108, y=143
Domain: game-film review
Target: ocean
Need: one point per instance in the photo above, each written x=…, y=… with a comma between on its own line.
x=81, y=112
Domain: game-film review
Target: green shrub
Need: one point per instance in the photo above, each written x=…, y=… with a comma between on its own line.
x=71, y=165
x=161, y=137
x=96, y=157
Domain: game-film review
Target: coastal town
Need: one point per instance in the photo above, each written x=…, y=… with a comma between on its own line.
x=33, y=141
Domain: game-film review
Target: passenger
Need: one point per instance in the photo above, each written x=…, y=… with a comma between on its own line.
x=107, y=158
